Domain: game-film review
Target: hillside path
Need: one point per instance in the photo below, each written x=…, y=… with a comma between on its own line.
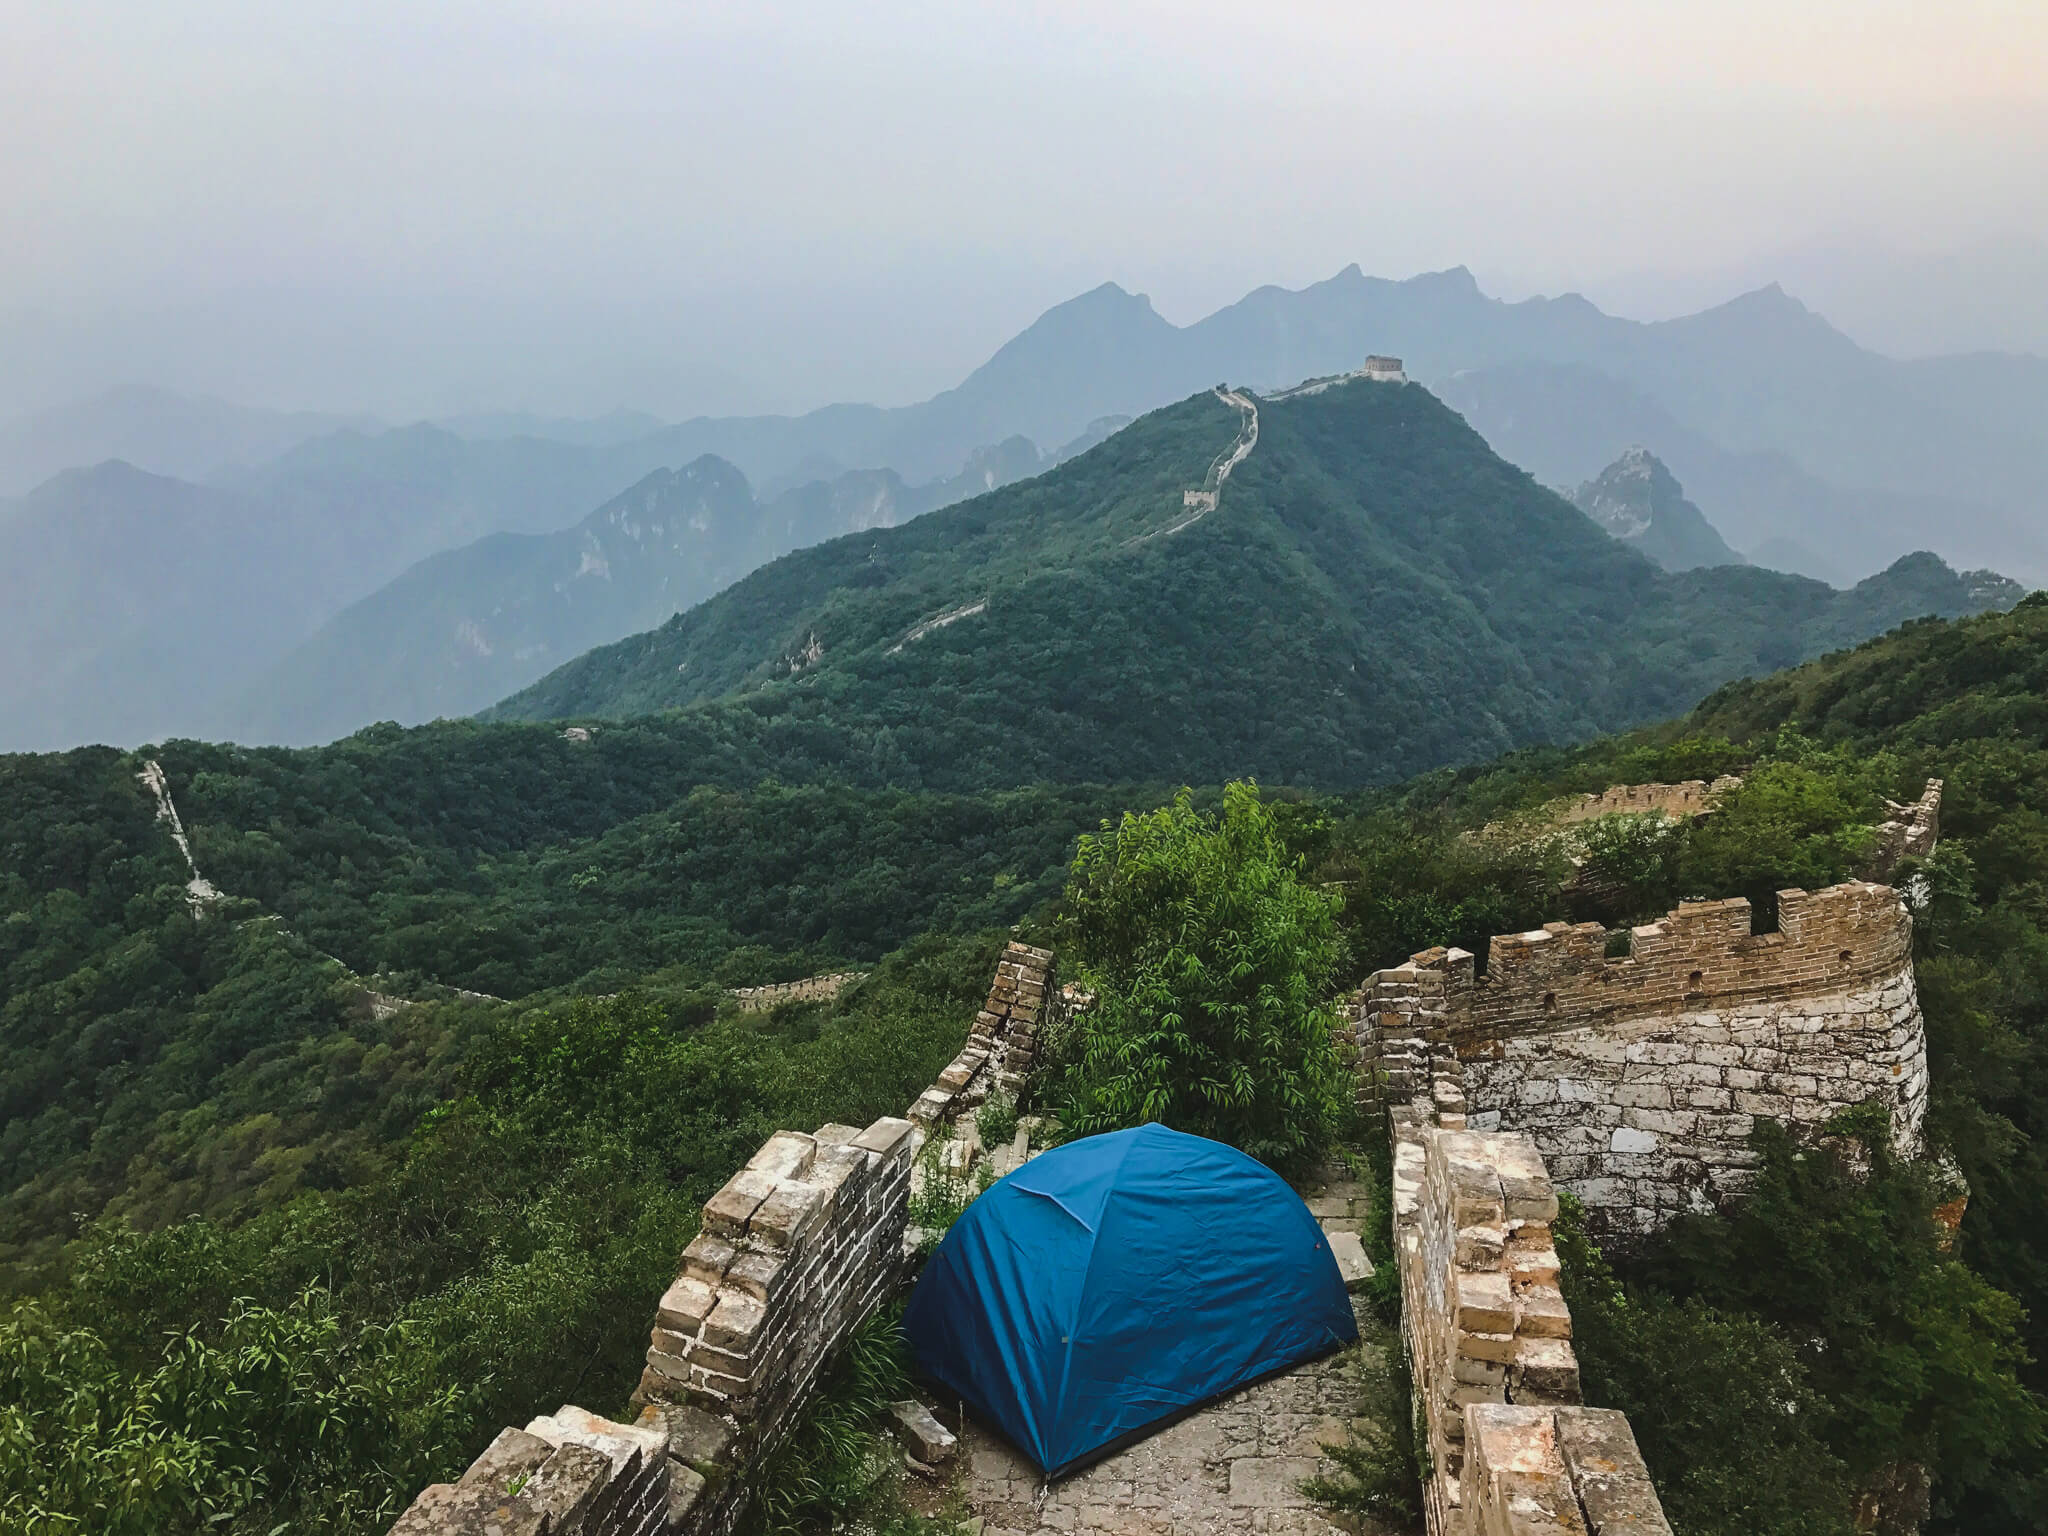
x=1201, y=500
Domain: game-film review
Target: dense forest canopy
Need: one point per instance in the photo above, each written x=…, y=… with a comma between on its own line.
x=1376, y=594
x=292, y=1122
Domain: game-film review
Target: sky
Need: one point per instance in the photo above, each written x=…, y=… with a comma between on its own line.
x=417, y=208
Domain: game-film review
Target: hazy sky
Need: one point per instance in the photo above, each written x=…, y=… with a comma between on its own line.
x=416, y=207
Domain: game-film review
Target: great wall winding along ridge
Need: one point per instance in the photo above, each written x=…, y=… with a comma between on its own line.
x=1199, y=501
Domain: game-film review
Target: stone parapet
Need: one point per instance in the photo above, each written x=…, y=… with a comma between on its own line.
x=1910, y=831
x=1482, y=1313
x=798, y=1248
x=1703, y=954
x=1640, y=1076
x=1687, y=800
x=570, y=1473
x=812, y=989
x=1556, y=1472
x=1023, y=1001
x=1510, y=1451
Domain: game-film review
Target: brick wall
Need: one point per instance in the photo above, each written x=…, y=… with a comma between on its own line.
x=1509, y=1448
x=1640, y=1076
x=1910, y=831
x=812, y=989
x=1023, y=1001
x=799, y=1247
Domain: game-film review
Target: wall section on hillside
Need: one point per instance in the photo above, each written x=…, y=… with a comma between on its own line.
x=799, y=1248
x=1640, y=1075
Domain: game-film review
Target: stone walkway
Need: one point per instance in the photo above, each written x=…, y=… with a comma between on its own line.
x=1236, y=1466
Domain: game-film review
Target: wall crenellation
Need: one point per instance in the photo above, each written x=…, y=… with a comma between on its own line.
x=1641, y=1076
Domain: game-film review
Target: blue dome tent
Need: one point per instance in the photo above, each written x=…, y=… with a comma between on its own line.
x=1115, y=1283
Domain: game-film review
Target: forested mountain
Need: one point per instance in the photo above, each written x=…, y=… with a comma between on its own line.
x=1758, y=378
x=143, y=606
x=464, y=628
x=1806, y=452
x=509, y=1179
x=1377, y=594
x=1637, y=501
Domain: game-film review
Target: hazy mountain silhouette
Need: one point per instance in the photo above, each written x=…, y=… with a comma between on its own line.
x=1376, y=593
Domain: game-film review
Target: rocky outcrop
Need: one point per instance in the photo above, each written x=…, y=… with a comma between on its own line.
x=1637, y=500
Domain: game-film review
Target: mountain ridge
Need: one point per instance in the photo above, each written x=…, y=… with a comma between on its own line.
x=1377, y=593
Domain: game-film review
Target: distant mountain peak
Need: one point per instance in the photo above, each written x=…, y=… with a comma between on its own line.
x=1640, y=502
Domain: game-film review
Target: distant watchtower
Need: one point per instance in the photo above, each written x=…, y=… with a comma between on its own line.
x=1387, y=369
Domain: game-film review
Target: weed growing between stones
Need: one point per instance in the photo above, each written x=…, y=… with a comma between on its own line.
x=837, y=1469
x=938, y=1194
x=996, y=1120
x=1378, y=1474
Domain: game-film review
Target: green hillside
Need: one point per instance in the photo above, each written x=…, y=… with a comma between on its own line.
x=209, y=1129
x=1376, y=595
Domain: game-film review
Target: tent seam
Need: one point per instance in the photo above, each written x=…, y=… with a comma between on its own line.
x=1059, y=1401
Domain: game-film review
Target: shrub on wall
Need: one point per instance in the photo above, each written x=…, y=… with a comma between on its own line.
x=1211, y=959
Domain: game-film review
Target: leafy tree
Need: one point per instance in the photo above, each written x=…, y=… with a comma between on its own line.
x=1719, y=1402
x=1914, y=1356
x=283, y=1418
x=1211, y=960
x=1789, y=825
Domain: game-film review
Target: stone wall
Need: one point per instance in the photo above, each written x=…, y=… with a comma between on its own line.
x=1640, y=1075
x=1910, y=831
x=795, y=1251
x=1024, y=999
x=1687, y=800
x=812, y=989
x=1681, y=802
x=1509, y=1449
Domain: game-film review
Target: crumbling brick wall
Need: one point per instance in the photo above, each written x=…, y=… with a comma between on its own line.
x=1640, y=1075
x=1023, y=1000
x=799, y=1247
x=1509, y=1449
x=1910, y=831
x=795, y=1250
x=1681, y=802
x=812, y=989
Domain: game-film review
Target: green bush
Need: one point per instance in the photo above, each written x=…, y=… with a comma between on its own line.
x=996, y=1121
x=1914, y=1357
x=1211, y=960
x=1719, y=1402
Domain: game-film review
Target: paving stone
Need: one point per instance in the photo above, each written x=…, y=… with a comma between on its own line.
x=922, y=1435
x=1352, y=1261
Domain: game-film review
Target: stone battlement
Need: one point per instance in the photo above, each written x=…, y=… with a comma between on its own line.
x=812, y=989
x=1701, y=955
x=1641, y=1076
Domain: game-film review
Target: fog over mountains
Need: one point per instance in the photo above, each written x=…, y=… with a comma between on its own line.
x=167, y=594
